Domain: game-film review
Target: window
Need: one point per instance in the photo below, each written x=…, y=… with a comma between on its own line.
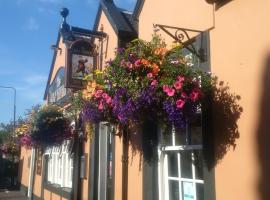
x=181, y=163
x=183, y=174
x=102, y=169
x=59, y=166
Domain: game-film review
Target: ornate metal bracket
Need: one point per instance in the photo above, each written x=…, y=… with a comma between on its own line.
x=72, y=33
x=181, y=36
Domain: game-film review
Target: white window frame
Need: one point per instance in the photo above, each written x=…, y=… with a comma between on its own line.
x=60, y=165
x=163, y=168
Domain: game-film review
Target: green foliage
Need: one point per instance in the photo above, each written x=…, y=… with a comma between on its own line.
x=49, y=126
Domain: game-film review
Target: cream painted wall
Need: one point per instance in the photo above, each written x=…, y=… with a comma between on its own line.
x=135, y=164
x=51, y=196
x=60, y=60
x=24, y=170
x=84, y=182
x=240, y=44
x=193, y=14
x=111, y=42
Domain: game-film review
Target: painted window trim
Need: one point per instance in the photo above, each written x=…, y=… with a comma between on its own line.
x=51, y=180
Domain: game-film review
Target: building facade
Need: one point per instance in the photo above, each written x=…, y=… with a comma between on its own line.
x=228, y=157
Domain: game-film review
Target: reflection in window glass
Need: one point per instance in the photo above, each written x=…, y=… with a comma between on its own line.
x=172, y=164
x=186, y=164
x=198, y=163
x=167, y=139
x=180, y=137
x=199, y=191
x=196, y=135
x=174, y=190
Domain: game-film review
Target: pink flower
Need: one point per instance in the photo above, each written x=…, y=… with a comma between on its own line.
x=178, y=85
x=180, y=103
x=195, y=95
x=170, y=92
x=105, y=95
x=120, y=117
x=181, y=78
x=138, y=63
x=130, y=65
x=122, y=63
x=100, y=106
x=154, y=83
x=165, y=88
x=150, y=75
x=184, y=95
x=108, y=100
x=98, y=93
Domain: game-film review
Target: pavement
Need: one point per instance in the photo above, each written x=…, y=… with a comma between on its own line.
x=6, y=194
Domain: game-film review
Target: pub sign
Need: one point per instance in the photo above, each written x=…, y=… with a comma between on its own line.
x=58, y=93
x=80, y=62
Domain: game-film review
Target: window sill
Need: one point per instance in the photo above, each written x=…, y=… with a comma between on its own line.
x=57, y=189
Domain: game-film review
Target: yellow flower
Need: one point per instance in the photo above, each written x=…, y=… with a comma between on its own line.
x=88, y=77
x=97, y=72
x=176, y=45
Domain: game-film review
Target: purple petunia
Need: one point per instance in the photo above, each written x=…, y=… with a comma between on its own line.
x=175, y=116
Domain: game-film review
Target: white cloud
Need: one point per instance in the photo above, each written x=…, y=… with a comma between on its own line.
x=36, y=79
x=43, y=10
x=32, y=24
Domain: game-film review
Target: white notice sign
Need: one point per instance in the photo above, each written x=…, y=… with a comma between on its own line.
x=188, y=191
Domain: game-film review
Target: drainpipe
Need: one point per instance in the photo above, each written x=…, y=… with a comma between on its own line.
x=31, y=174
x=125, y=165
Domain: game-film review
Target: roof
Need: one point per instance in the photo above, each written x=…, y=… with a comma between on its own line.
x=82, y=31
x=52, y=66
x=137, y=9
x=121, y=20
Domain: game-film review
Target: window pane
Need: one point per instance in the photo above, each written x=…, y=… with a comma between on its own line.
x=198, y=162
x=71, y=169
x=196, y=130
x=167, y=139
x=200, y=191
x=172, y=164
x=186, y=164
x=174, y=190
x=196, y=135
x=188, y=192
x=180, y=137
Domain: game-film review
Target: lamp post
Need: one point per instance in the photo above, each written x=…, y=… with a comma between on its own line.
x=14, y=127
x=14, y=106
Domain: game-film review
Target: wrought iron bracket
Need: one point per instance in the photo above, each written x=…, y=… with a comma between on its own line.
x=181, y=35
x=71, y=34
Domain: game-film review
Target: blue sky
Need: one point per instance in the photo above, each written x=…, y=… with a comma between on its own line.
x=27, y=30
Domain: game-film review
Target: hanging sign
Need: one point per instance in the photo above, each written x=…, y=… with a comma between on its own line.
x=58, y=93
x=80, y=62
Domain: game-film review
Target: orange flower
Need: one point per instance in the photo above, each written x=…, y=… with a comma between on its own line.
x=145, y=62
x=155, y=68
x=160, y=51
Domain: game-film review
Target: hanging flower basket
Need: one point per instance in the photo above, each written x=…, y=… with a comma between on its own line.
x=46, y=126
x=147, y=81
x=49, y=126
